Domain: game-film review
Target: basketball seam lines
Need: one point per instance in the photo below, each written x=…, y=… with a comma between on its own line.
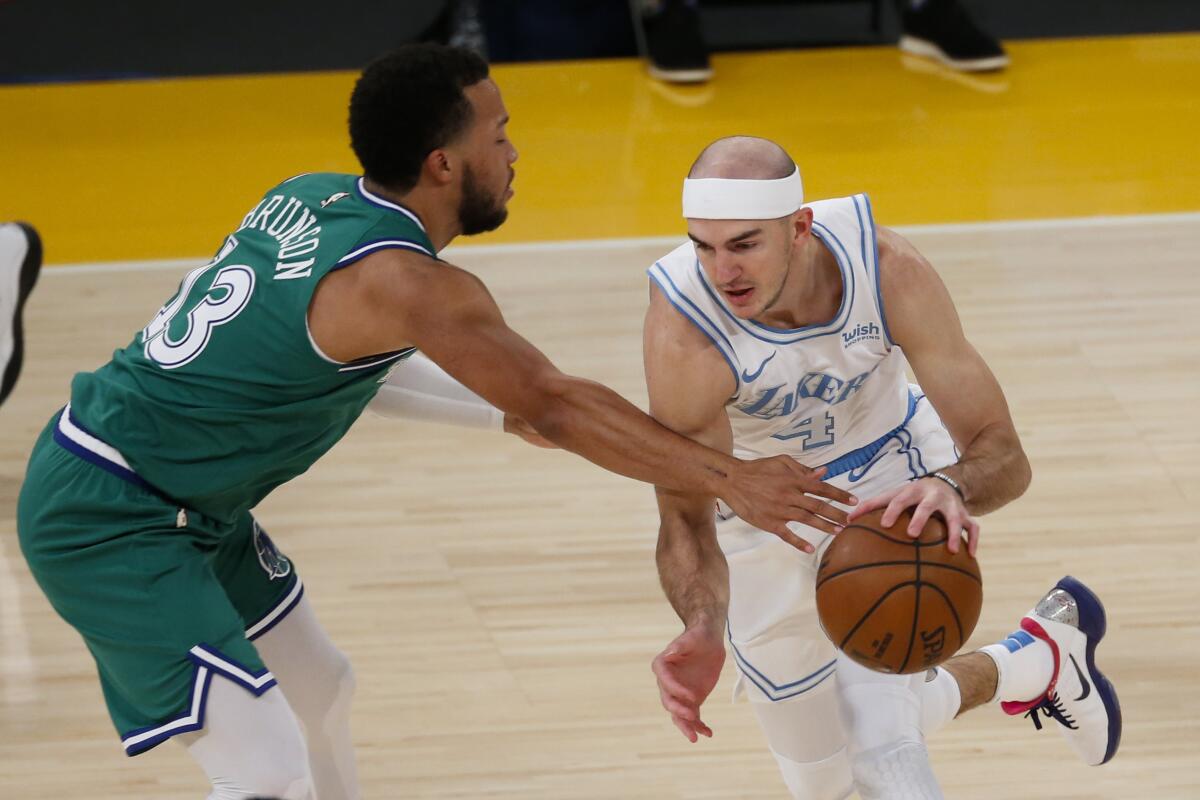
x=916, y=617
x=951, y=567
x=902, y=540
x=953, y=610
x=870, y=611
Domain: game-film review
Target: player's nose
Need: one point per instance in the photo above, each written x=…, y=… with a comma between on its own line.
x=727, y=267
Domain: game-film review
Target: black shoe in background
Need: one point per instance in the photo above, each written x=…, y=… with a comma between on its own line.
x=20, y=260
x=942, y=30
x=674, y=48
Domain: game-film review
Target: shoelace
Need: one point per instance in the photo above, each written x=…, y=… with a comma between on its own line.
x=1051, y=708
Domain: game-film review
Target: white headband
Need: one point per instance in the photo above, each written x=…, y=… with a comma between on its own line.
x=723, y=198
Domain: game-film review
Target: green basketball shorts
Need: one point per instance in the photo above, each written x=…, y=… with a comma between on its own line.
x=165, y=598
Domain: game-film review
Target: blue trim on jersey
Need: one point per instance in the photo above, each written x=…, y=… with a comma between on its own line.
x=916, y=466
x=887, y=334
x=788, y=335
x=863, y=455
x=379, y=202
x=363, y=251
x=727, y=355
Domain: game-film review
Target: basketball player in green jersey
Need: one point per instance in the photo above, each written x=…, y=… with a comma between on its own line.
x=135, y=515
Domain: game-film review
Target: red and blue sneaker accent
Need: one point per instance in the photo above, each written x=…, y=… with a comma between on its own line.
x=1070, y=618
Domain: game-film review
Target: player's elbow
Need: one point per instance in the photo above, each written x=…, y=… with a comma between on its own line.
x=1022, y=473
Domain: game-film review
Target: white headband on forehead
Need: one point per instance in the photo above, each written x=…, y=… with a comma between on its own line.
x=725, y=198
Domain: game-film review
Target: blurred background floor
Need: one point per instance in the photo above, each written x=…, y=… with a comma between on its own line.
x=160, y=169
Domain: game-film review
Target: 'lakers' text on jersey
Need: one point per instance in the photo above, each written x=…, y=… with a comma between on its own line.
x=816, y=393
x=224, y=395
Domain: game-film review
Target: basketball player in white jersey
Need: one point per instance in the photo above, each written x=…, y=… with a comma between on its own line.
x=783, y=328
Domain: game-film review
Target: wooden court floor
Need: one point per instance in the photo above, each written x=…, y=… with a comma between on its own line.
x=500, y=602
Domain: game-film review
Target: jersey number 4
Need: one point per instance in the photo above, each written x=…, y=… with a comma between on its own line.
x=181, y=329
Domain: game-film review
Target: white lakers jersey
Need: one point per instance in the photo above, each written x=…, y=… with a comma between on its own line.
x=824, y=394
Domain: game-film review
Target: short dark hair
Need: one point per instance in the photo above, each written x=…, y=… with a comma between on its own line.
x=407, y=104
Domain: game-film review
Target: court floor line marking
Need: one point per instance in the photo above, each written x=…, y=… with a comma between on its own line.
x=568, y=245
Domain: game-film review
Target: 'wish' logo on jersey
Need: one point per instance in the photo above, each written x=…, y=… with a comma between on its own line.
x=862, y=332
x=273, y=562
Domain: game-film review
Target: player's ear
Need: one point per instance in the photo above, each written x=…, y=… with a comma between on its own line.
x=801, y=223
x=440, y=166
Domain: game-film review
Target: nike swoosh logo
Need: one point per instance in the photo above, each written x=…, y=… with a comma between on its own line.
x=1087, y=687
x=751, y=377
x=858, y=473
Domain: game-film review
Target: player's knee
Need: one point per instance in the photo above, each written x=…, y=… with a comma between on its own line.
x=283, y=776
x=895, y=772
x=329, y=691
x=829, y=779
x=878, y=710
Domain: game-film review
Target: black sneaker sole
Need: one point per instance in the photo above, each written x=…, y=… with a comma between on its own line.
x=30, y=268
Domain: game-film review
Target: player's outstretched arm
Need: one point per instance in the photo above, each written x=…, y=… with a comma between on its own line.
x=921, y=317
x=396, y=298
x=688, y=385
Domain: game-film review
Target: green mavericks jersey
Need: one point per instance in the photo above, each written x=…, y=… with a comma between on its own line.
x=224, y=395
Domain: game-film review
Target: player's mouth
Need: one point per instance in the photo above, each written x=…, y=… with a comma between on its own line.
x=739, y=297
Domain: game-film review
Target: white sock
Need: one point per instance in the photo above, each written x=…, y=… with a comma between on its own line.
x=1025, y=665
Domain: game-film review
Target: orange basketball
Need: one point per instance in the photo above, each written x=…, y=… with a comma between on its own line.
x=893, y=603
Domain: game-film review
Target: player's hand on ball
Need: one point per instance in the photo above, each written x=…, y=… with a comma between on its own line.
x=686, y=671
x=925, y=498
x=519, y=427
x=771, y=492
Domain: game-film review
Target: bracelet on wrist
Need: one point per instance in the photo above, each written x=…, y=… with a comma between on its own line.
x=953, y=484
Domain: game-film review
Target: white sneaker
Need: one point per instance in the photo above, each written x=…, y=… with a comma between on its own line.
x=1080, y=699
x=20, y=260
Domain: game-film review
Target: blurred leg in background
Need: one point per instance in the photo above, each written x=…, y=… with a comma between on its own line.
x=20, y=261
x=943, y=30
x=671, y=40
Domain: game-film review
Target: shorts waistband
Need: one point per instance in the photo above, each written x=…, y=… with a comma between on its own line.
x=861, y=456
x=78, y=440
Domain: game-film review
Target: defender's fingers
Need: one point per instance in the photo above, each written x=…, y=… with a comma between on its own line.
x=869, y=505
x=806, y=517
x=825, y=510
x=783, y=532
x=820, y=488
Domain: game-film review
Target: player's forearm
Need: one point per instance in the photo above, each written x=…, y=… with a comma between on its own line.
x=993, y=470
x=597, y=423
x=693, y=572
